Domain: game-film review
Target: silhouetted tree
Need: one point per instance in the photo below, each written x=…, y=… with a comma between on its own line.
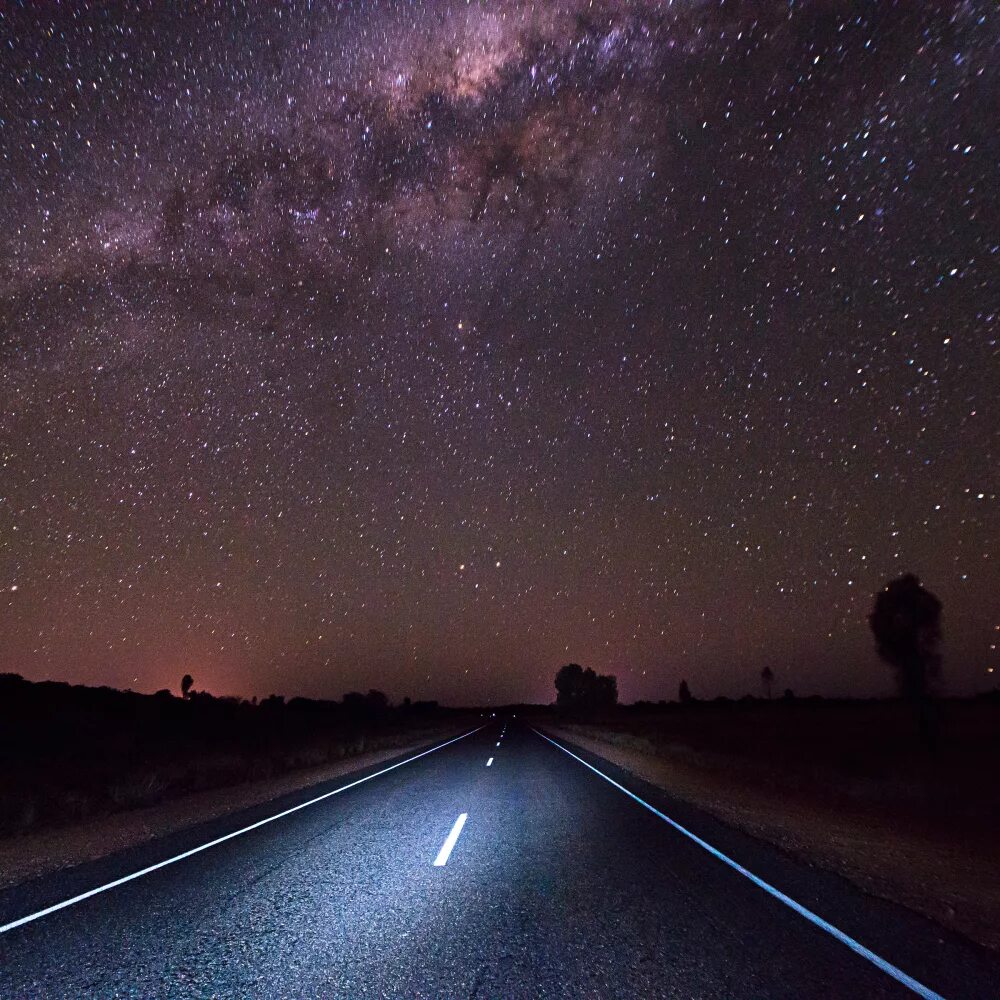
x=789, y=694
x=186, y=681
x=605, y=691
x=684, y=694
x=767, y=679
x=569, y=683
x=906, y=622
x=584, y=690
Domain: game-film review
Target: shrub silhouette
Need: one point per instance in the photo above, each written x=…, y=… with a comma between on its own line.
x=684, y=694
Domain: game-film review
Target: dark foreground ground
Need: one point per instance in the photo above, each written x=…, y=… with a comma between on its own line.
x=71, y=754
x=559, y=885
x=845, y=785
x=852, y=753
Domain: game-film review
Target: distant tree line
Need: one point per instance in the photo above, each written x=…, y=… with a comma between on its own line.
x=906, y=623
x=354, y=706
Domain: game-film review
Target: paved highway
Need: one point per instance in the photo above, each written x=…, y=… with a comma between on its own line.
x=499, y=865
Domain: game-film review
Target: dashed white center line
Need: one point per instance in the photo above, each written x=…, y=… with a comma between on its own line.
x=73, y=900
x=489, y=763
x=446, y=848
x=498, y=743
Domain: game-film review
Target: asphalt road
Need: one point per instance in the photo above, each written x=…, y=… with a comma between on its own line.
x=557, y=885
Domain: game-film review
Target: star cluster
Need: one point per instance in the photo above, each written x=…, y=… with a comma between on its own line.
x=430, y=345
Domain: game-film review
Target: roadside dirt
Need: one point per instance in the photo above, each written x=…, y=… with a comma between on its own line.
x=954, y=880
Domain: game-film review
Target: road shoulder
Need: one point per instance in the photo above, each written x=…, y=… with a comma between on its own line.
x=943, y=881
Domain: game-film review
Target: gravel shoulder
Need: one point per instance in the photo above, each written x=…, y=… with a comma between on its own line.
x=951, y=878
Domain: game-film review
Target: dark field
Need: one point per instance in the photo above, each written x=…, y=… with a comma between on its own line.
x=857, y=753
x=73, y=753
x=845, y=785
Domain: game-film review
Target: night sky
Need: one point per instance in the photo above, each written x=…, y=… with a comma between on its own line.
x=429, y=346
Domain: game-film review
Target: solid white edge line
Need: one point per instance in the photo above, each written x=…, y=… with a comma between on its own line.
x=855, y=946
x=21, y=921
x=489, y=763
x=450, y=841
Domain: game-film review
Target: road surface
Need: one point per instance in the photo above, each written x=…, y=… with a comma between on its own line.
x=555, y=884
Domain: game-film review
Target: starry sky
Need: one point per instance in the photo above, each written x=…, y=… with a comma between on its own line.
x=430, y=345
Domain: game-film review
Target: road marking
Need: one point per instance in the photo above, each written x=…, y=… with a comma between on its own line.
x=21, y=921
x=446, y=848
x=498, y=743
x=855, y=946
x=489, y=763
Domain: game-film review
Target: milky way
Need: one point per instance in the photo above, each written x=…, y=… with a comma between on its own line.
x=428, y=346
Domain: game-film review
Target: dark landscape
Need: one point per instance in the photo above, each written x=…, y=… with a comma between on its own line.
x=818, y=777
x=73, y=753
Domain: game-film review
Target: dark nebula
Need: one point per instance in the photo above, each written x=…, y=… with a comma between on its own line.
x=429, y=346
